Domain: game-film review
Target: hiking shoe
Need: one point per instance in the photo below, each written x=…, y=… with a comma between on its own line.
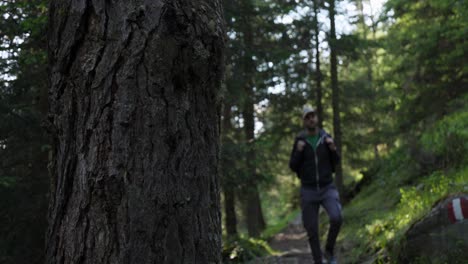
x=330, y=258
x=323, y=261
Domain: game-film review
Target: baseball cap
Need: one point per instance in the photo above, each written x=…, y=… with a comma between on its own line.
x=307, y=110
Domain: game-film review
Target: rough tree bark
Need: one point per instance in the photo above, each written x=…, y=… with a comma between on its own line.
x=335, y=93
x=134, y=107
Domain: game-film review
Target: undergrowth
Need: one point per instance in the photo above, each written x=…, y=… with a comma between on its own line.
x=403, y=190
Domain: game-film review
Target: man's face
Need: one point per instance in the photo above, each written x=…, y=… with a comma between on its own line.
x=311, y=120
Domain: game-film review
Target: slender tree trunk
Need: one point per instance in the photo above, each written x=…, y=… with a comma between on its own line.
x=335, y=93
x=367, y=52
x=318, y=72
x=134, y=106
x=230, y=211
x=253, y=208
x=255, y=220
x=368, y=56
x=228, y=188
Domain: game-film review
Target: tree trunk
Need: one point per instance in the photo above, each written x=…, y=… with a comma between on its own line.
x=229, y=185
x=230, y=211
x=368, y=56
x=253, y=208
x=335, y=93
x=368, y=51
x=134, y=106
x=318, y=72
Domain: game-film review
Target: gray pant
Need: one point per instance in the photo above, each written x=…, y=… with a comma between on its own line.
x=311, y=199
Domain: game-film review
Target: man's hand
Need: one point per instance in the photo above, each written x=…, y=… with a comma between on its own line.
x=331, y=143
x=300, y=145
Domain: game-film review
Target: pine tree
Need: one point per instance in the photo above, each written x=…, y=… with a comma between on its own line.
x=335, y=92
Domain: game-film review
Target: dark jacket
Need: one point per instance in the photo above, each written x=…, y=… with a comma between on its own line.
x=307, y=163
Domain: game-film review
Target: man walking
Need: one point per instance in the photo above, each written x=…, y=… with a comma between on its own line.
x=313, y=158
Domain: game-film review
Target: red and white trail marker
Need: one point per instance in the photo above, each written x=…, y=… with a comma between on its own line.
x=458, y=210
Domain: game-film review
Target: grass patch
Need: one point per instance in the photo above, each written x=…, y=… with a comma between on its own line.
x=376, y=220
x=403, y=188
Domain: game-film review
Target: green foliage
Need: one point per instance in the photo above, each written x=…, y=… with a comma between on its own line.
x=448, y=139
x=381, y=225
x=426, y=46
x=241, y=250
x=415, y=110
x=398, y=196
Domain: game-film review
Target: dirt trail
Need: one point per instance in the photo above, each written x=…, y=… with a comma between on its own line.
x=293, y=245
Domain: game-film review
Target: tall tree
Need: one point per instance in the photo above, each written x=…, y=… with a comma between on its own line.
x=318, y=72
x=252, y=204
x=227, y=163
x=365, y=32
x=368, y=54
x=264, y=53
x=335, y=91
x=134, y=114
x=253, y=208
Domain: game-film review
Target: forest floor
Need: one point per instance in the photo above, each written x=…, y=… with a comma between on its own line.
x=293, y=248
x=292, y=245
